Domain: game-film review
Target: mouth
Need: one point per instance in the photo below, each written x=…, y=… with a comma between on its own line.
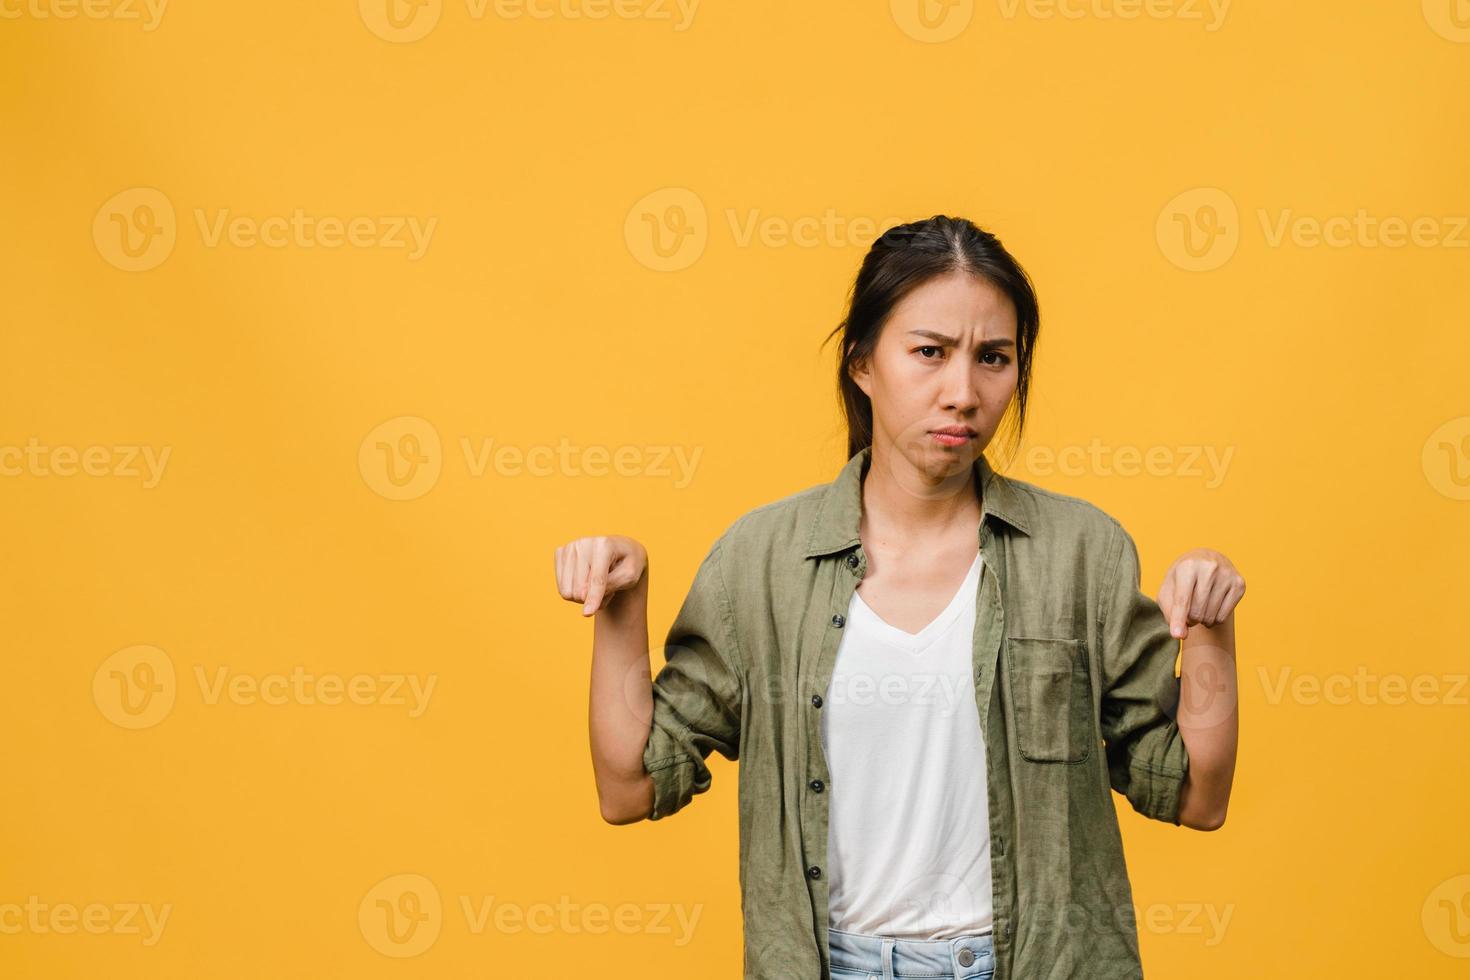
x=953, y=435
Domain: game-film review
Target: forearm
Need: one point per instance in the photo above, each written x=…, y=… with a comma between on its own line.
x=1208, y=722
x=620, y=709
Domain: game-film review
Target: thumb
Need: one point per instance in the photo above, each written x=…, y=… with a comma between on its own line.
x=596, y=586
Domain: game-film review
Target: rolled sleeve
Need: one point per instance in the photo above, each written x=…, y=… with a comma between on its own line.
x=698, y=693
x=1147, y=760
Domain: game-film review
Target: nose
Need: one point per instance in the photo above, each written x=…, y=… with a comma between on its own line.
x=960, y=392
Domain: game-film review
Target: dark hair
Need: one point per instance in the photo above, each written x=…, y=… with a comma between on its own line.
x=905, y=257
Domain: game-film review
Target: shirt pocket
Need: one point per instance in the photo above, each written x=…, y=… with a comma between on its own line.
x=1051, y=690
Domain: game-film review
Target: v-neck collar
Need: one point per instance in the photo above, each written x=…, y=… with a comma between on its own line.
x=914, y=642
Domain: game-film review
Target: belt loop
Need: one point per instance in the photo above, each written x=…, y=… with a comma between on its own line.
x=888, y=959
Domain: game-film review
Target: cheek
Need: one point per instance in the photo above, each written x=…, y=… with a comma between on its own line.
x=998, y=388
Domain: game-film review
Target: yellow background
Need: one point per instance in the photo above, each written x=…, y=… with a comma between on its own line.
x=1335, y=376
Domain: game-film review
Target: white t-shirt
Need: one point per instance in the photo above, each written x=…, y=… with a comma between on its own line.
x=908, y=851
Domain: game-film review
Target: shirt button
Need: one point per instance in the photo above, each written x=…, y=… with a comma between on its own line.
x=817, y=785
x=816, y=700
x=1008, y=930
x=852, y=560
x=838, y=620
x=814, y=872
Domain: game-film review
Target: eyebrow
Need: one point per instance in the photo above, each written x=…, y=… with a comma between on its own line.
x=951, y=341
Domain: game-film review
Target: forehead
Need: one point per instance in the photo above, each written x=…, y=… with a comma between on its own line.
x=957, y=303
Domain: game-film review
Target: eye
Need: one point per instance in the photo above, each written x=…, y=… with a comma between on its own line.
x=995, y=353
x=930, y=347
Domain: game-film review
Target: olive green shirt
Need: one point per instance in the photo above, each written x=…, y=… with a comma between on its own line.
x=1074, y=682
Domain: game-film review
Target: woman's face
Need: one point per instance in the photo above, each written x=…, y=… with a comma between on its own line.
x=945, y=358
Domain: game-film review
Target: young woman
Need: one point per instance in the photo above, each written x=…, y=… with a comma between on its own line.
x=934, y=676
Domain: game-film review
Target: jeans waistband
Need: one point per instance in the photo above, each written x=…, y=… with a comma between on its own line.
x=887, y=957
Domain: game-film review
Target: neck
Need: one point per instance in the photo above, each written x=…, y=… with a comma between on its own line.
x=904, y=502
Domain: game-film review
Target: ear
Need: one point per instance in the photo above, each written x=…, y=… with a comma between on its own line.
x=861, y=375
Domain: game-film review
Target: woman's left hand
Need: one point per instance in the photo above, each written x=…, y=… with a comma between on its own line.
x=1201, y=587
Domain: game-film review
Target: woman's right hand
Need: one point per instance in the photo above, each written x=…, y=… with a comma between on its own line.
x=594, y=570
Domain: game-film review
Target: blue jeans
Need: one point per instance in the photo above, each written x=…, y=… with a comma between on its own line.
x=856, y=956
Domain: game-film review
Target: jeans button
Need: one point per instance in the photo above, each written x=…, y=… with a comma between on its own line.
x=967, y=957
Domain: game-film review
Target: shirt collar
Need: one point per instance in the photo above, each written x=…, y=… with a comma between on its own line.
x=840, y=510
